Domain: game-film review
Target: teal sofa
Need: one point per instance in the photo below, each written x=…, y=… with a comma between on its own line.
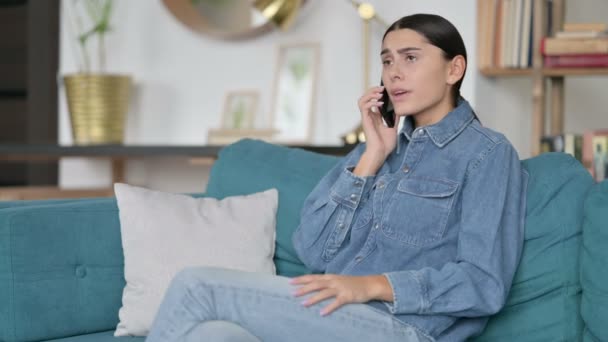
x=61, y=261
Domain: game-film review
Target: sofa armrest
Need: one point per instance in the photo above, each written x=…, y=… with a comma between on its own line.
x=61, y=268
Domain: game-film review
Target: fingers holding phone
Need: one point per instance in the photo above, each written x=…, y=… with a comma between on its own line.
x=370, y=101
x=380, y=136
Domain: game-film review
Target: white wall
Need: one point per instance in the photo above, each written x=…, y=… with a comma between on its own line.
x=181, y=79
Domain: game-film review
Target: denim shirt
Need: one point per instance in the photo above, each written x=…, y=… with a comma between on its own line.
x=442, y=219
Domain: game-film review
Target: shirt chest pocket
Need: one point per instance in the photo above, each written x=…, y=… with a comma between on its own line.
x=418, y=210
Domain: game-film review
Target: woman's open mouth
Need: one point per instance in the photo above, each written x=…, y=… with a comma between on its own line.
x=399, y=94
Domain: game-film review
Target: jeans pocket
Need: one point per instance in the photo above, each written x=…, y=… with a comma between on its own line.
x=418, y=210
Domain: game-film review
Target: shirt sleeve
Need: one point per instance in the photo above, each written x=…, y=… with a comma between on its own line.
x=489, y=245
x=327, y=213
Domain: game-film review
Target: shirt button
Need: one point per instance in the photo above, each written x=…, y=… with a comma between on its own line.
x=376, y=226
x=358, y=183
x=359, y=258
x=421, y=131
x=353, y=197
x=341, y=226
x=406, y=169
x=380, y=185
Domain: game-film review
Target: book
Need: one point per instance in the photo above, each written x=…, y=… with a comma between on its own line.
x=486, y=18
x=482, y=32
x=580, y=34
x=588, y=152
x=600, y=158
x=585, y=27
x=518, y=7
x=507, y=30
x=573, y=145
x=576, y=61
x=552, y=143
x=498, y=35
x=569, y=143
x=526, y=36
x=558, y=46
x=492, y=12
x=549, y=18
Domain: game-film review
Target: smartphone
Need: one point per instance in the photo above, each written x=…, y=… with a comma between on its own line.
x=386, y=110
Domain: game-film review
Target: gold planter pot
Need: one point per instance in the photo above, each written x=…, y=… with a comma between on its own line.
x=98, y=105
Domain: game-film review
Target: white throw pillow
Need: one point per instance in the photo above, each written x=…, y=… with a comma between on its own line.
x=162, y=233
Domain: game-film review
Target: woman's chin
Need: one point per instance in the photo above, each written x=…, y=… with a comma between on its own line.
x=404, y=110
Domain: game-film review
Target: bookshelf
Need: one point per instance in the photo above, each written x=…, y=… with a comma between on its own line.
x=548, y=83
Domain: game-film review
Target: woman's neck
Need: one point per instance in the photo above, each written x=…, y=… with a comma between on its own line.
x=434, y=114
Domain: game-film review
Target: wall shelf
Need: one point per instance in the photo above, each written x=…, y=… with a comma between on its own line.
x=28, y=152
x=118, y=154
x=549, y=72
x=505, y=72
x=575, y=72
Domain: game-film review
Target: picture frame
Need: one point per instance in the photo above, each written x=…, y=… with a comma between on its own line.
x=240, y=109
x=294, y=94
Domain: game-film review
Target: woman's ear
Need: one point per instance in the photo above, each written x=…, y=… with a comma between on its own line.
x=456, y=69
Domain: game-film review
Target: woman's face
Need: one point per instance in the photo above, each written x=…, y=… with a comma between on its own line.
x=417, y=76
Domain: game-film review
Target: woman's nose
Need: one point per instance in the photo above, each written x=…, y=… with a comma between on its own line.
x=395, y=73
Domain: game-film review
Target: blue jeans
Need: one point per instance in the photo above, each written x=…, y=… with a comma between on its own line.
x=211, y=304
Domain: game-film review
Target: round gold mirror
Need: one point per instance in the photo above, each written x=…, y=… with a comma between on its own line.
x=234, y=19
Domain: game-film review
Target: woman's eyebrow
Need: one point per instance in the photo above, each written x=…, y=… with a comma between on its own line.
x=400, y=51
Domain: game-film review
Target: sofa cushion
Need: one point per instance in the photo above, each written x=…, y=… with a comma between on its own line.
x=162, y=233
x=250, y=166
x=543, y=303
x=594, y=264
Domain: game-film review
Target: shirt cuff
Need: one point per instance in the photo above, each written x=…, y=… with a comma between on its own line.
x=407, y=293
x=349, y=188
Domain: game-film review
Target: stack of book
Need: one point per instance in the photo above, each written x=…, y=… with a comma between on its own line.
x=579, y=45
x=590, y=148
x=505, y=30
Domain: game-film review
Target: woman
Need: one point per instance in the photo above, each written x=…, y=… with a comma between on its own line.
x=417, y=233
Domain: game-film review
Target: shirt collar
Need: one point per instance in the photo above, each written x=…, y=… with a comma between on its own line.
x=442, y=132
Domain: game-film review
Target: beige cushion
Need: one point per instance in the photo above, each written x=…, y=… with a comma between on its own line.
x=163, y=233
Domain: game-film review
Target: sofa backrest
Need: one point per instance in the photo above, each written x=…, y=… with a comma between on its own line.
x=544, y=301
x=594, y=265
x=250, y=166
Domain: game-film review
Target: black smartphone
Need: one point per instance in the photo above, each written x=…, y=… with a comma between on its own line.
x=386, y=110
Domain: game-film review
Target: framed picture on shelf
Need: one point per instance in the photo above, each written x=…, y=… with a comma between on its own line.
x=294, y=92
x=240, y=109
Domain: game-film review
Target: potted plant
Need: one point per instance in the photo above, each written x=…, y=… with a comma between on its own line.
x=97, y=100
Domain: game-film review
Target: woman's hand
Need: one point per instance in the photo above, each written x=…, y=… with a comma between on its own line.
x=345, y=289
x=380, y=139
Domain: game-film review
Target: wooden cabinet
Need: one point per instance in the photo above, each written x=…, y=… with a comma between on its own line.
x=29, y=60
